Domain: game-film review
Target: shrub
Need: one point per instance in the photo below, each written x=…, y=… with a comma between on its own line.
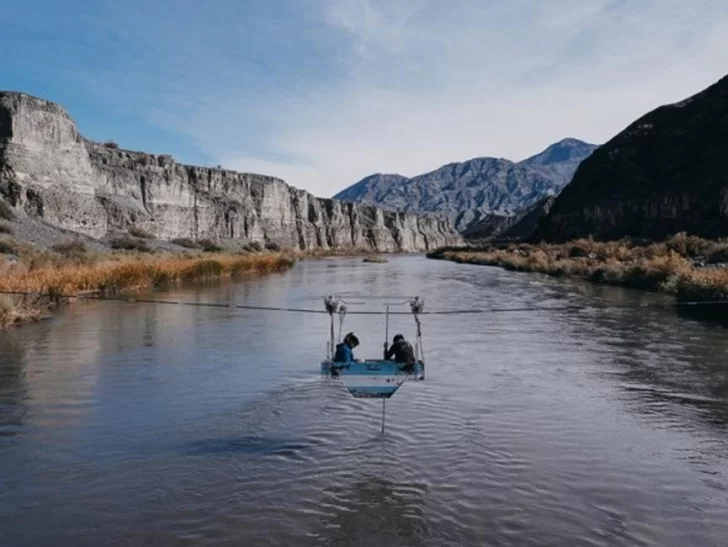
x=272, y=246
x=6, y=211
x=717, y=255
x=185, y=242
x=110, y=144
x=130, y=244
x=8, y=247
x=75, y=246
x=254, y=247
x=689, y=246
x=136, y=231
x=205, y=269
x=5, y=229
x=209, y=246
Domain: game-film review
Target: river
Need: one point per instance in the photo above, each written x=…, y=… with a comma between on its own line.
x=143, y=424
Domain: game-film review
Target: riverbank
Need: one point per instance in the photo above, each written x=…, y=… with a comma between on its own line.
x=50, y=276
x=688, y=267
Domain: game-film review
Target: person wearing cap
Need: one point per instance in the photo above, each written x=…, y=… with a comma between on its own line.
x=402, y=351
x=344, y=353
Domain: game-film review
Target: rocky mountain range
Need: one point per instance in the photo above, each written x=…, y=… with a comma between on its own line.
x=667, y=172
x=53, y=176
x=468, y=192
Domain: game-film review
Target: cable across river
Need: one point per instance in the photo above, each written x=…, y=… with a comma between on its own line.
x=232, y=305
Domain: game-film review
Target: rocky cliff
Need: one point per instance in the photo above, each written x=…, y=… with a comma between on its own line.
x=519, y=225
x=49, y=171
x=471, y=191
x=665, y=173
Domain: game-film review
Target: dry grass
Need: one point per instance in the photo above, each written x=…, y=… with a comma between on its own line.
x=137, y=272
x=669, y=266
x=703, y=285
x=24, y=309
x=70, y=269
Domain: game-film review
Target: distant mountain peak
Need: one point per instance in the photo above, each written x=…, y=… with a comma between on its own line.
x=467, y=191
x=568, y=149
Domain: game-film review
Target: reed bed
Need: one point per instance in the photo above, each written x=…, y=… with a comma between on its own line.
x=137, y=272
x=688, y=267
x=49, y=276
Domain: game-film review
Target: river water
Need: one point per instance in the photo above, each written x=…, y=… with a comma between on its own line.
x=144, y=424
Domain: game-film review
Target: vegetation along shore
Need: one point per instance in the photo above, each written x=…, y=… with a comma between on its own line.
x=49, y=275
x=689, y=267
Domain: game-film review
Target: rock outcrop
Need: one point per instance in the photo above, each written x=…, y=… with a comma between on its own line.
x=518, y=226
x=472, y=191
x=49, y=171
x=665, y=173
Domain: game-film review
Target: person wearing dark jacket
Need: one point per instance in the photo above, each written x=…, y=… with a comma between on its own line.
x=402, y=352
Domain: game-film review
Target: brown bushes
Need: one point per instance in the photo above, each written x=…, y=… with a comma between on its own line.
x=665, y=266
x=130, y=272
x=69, y=270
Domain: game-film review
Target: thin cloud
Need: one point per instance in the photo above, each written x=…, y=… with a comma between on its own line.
x=324, y=92
x=425, y=86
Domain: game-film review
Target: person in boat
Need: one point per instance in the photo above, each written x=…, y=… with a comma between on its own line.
x=344, y=350
x=402, y=351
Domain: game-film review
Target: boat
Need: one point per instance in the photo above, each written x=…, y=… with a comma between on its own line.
x=374, y=378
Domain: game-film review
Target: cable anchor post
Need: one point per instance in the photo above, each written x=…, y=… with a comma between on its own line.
x=386, y=333
x=417, y=304
x=331, y=305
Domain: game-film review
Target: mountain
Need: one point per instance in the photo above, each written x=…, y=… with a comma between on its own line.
x=516, y=226
x=667, y=172
x=53, y=177
x=468, y=191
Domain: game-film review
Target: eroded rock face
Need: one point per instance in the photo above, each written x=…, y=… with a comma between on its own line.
x=48, y=170
x=665, y=173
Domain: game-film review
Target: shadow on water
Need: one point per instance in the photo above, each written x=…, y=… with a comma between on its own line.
x=13, y=385
x=374, y=511
x=713, y=314
x=250, y=444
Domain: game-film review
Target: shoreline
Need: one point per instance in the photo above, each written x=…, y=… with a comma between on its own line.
x=689, y=268
x=53, y=279
x=59, y=280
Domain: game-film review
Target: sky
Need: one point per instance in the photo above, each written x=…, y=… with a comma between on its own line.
x=323, y=93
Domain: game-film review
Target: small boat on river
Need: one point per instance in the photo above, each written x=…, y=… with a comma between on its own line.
x=373, y=378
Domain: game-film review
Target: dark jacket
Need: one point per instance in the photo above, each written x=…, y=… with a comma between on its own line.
x=343, y=353
x=402, y=352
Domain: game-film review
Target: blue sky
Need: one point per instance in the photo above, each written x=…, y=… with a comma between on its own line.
x=324, y=92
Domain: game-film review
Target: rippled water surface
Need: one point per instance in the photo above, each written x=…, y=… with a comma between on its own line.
x=143, y=424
